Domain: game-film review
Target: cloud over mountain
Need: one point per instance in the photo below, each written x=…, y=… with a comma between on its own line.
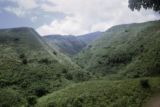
x=79, y=16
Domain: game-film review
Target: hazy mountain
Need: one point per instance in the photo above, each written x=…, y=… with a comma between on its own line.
x=71, y=45
x=87, y=38
x=133, y=50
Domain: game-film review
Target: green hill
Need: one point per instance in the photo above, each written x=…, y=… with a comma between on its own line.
x=35, y=74
x=102, y=93
x=132, y=50
x=29, y=67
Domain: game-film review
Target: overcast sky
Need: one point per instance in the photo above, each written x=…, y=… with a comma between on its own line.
x=69, y=17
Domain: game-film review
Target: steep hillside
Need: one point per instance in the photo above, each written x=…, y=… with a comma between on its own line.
x=132, y=50
x=103, y=93
x=29, y=67
x=71, y=45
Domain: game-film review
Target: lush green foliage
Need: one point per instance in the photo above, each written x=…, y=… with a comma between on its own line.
x=132, y=50
x=151, y=4
x=11, y=98
x=122, y=93
x=33, y=74
x=28, y=64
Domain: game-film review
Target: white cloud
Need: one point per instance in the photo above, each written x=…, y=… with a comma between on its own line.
x=17, y=11
x=81, y=16
x=67, y=26
x=90, y=15
x=22, y=8
x=27, y=4
x=34, y=18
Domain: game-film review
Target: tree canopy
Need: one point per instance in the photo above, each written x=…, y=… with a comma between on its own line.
x=146, y=4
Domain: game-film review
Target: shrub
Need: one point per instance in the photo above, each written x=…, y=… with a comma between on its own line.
x=24, y=61
x=99, y=62
x=45, y=61
x=40, y=91
x=126, y=31
x=64, y=71
x=54, y=52
x=16, y=39
x=22, y=56
x=32, y=100
x=69, y=76
x=4, y=83
x=145, y=83
x=58, y=75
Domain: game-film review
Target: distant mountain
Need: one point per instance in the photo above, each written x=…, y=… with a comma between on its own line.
x=71, y=45
x=87, y=38
x=28, y=66
x=132, y=50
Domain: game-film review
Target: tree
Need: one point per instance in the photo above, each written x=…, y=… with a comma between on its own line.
x=32, y=100
x=145, y=84
x=146, y=4
x=40, y=91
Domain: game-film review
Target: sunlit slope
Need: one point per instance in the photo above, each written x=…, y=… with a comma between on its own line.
x=122, y=93
x=133, y=50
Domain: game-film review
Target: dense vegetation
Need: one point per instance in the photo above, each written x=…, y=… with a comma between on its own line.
x=118, y=93
x=132, y=50
x=30, y=68
x=120, y=69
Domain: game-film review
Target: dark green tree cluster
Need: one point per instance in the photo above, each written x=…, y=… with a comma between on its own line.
x=146, y=4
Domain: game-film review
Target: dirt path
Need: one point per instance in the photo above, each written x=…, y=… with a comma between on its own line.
x=154, y=102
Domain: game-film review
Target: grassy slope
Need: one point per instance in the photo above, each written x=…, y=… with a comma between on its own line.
x=28, y=66
x=102, y=93
x=133, y=50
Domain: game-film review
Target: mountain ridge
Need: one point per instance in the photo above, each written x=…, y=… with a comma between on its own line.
x=120, y=46
x=30, y=67
x=71, y=45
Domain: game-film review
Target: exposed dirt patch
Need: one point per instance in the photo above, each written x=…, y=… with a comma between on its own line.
x=154, y=102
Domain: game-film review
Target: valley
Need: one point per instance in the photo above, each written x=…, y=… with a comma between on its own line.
x=116, y=68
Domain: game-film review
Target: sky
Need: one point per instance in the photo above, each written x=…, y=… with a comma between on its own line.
x=70, y=17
